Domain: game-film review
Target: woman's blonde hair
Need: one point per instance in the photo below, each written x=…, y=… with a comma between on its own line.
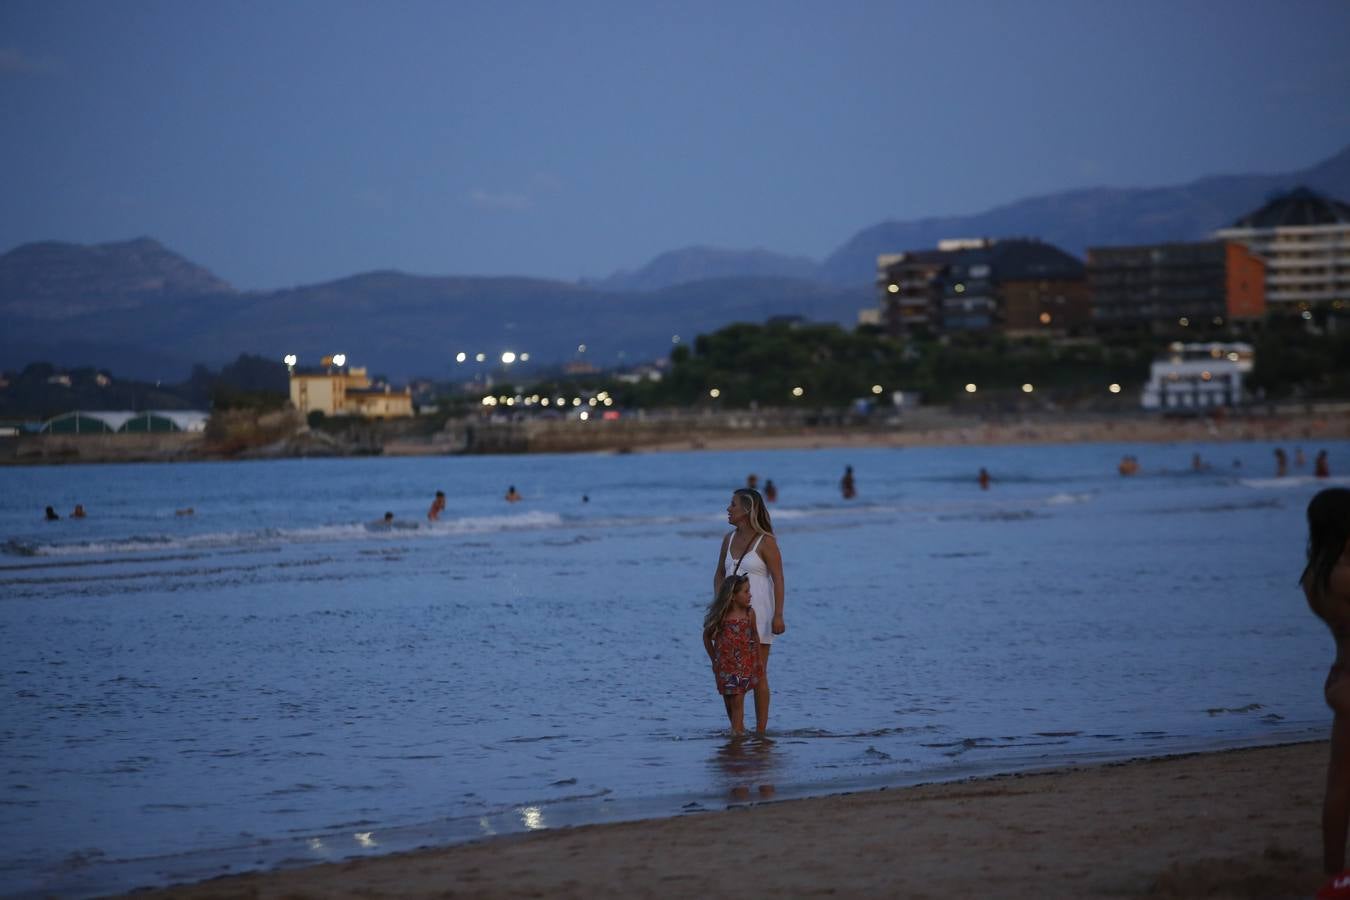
x=753, y=503
x=721, y=604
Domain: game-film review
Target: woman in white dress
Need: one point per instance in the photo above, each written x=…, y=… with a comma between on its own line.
x=752, y=550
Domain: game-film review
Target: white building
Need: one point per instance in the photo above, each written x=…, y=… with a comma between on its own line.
x=1304, y=239
x=1198, y=376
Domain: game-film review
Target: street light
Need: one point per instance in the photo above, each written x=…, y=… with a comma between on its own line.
x=970, y=388
x=508, y=357
x=1114, y=388
x=714, y=393
x=797, y=391
x=876, y=389
x=289, y=360
x=461, y=356
x=339, y=359
x=1027, y=389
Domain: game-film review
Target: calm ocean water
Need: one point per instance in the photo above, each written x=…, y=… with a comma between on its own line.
x=273, y=680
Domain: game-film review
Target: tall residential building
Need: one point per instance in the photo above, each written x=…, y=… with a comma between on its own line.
x=1169, y=289
x=1016, y=286
x=1304, y=239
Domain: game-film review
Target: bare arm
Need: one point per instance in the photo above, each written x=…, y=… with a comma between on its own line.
x=708, y=645
x=773, y=560
x=721, y=574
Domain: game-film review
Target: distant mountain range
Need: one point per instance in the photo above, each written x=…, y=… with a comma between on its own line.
x=141, y=310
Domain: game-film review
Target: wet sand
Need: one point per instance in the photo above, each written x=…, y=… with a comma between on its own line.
x=940, y=431
x=1240, y=823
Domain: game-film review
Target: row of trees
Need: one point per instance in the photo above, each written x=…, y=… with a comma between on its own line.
x=764, y=364
x=41, y=390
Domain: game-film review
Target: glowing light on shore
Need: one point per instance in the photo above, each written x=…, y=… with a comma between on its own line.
x=714, y=393
x=289, y=359
x=1027, y=388
x=1114, y=388
x=970, y=388
x=480, y=357
x=798, y=391
x=584, y=415
x=339, y=359
x=508, y=357
x=876, y=389
x=461, y=356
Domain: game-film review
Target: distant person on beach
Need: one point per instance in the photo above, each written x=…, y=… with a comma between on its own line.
x=1298, y=458
x=984, y=479
x=388, y=519
x=1326, y=585
x=78, y=512
x=512, y=496
x=752, y=550
x=846, y=486
x=752, y=481
x=1321, y=468
x=770, y=492
x=731, y=639
x=1198, y=464
x=437, y=507
x=1128, y=465
x=51, y=515
x=1281, y=463
x=186, y=511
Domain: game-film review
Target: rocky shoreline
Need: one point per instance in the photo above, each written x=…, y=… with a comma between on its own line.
x=284, y=435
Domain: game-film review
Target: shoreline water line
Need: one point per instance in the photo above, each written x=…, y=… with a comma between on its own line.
x=90, y=875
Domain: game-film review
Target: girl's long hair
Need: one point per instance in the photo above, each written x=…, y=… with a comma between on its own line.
x=753, y=503
x=718, y=608
x=1328, y=531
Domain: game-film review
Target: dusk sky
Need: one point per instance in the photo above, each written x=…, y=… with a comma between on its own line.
x=294, y=142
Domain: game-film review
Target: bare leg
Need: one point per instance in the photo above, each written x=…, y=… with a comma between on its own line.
x=1336, y=806
x=762, y=691
x=735, y=712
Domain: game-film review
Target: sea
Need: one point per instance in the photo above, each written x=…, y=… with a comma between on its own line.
x=280, y=678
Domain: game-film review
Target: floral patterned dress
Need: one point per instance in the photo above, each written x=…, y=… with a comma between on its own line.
x=736, y=656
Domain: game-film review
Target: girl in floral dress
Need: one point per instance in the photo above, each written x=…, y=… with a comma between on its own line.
x=731, y=639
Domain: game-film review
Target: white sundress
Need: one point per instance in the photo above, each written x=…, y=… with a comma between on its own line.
x=761, y=586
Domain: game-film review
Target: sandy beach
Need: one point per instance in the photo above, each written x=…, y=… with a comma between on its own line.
x=1239, y=824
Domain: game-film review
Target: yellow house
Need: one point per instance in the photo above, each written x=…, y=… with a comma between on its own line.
x=347, y=392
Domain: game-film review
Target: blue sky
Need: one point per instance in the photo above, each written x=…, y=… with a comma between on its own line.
x=280, y=143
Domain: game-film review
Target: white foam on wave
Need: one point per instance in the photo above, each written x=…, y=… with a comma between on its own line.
x=1292, y=481
x=317, y=534
x=1065, y=499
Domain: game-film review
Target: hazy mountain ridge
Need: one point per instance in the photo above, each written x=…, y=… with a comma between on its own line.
x=55, y=280
x=1087, y=217
x=406, y=325
x=139, y=308
x=701, y=263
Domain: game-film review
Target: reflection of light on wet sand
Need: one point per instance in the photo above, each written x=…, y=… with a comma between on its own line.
x=486, y=826
x=533, y=817
x=748, y=764
x=365, y=839
x=318, y=846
